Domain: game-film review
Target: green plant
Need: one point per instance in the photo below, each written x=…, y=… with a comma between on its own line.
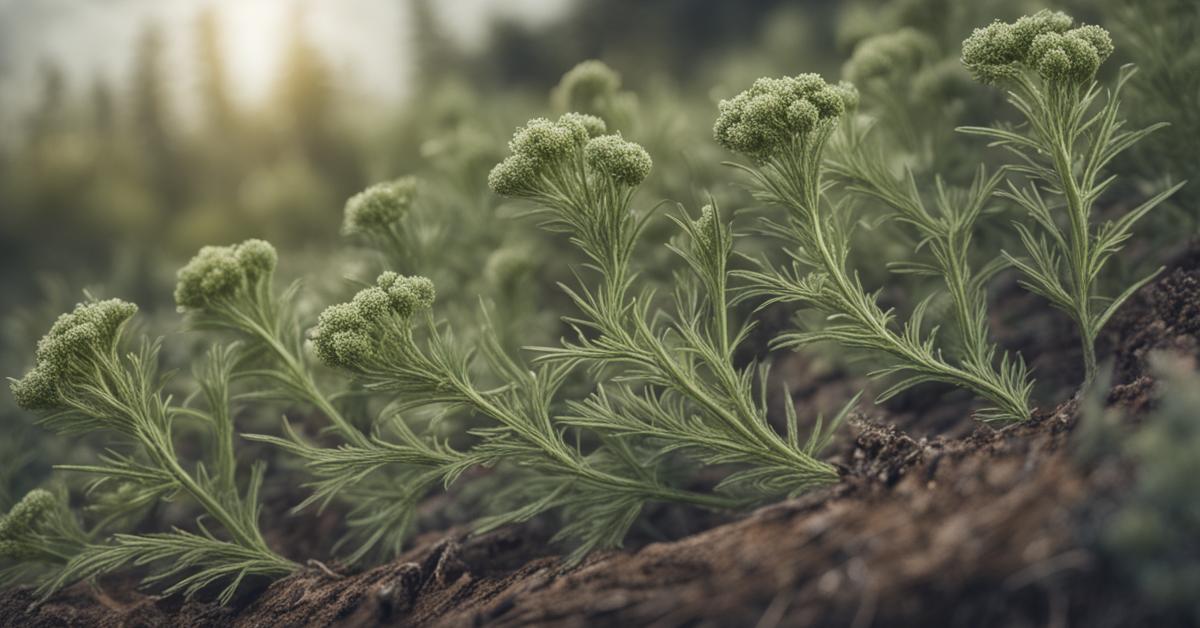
x=382, y=216
x=678, y=385
x=584, y=187
x=83, y=383
x=38, y=532
x=784, y=125
x=648, y=398
x=1061, y=151
x=230, y=288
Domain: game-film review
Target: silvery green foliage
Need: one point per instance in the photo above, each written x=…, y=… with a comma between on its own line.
x=1061, y=152
x=680, y=384
x=788, y=149
x=82, y=382
x=230, y=288
x=678, y=387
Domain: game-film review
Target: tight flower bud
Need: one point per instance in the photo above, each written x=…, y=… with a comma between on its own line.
x=704, y=226
x=542, y=141
x=220, y=272
x=762, y=120
x=373, y=304
x=514, y=176
x=582, y=126
x=35, y=391
x=73, y=340
x=256, y=257
x=622, y=161
x=1063, y=57
x=26, y=514
x=1043, y=43
x=336, y=338
x=379, y=206
x=423, y=290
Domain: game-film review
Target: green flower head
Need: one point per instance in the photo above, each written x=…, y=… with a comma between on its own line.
x=623, y=162
x=373, y=304
x=762, y=120
x=407, y=295
x=514, y=176
x=379, y=206
x=583, y=126
x=220, y=272
x=540, y=146
x=26, y=514
x=542, y=141
x=704, y=226
x=342, y=336
x=1044, y=43
x=347, y=333
x=73, y=341
x=38, y=390
x=1063, y=57
x=257, y=258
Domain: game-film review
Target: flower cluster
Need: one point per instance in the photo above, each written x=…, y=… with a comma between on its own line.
x=1044, y=43
x=73, y=341
x=344, y=334
x=545, y=155
x=217, y=273
x=704, y=225
x=762, y=120
x=19, y=527
x=890, y=56
x=622, y=161
x=379, y=206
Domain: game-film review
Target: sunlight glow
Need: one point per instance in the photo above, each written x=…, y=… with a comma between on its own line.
x=254, y=32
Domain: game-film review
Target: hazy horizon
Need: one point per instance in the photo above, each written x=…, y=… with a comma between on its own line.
x=365, y=42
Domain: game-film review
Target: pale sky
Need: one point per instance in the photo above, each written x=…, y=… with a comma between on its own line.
x=364, y=40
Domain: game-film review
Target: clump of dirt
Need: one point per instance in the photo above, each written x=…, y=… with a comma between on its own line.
x=1166, y=318
x=988, y=528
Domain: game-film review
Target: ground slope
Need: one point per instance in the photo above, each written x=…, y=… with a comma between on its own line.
x=994, y=528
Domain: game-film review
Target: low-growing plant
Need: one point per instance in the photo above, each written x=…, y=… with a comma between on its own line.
x=678, y=387
x=649, y=389
x=784, y=126
x=1062, y=151
x=230, y=288
x=84, y=382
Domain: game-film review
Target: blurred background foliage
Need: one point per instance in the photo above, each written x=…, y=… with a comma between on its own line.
x=136, y=166
x=223, y=120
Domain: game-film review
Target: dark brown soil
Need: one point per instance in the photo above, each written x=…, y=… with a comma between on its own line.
x=986, y=528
